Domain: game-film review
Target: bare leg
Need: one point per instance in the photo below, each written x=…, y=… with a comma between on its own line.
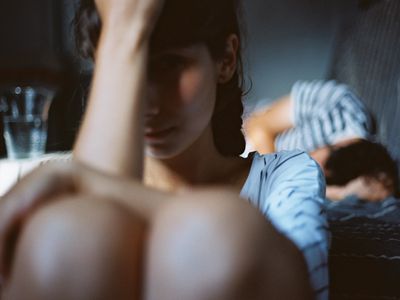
x=78, y=248
x=211, y=245
x=214, y=245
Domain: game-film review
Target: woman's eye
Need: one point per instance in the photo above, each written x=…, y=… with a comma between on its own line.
x=171, y=63
x=168, y=66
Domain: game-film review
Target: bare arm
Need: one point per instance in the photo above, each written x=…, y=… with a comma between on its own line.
x=262, y=127
x=111, y=137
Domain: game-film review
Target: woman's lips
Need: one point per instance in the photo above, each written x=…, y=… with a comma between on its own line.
x=157, y=134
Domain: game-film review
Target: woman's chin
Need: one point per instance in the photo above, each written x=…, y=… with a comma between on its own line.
x=161, y=153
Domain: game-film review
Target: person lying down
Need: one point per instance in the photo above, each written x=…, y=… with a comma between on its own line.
x=327, y=119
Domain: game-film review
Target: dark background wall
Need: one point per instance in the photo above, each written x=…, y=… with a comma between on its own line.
x=32, y=38
x=290, y=40
x=286, y=40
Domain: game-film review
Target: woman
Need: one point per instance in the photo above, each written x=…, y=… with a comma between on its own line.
x=105, y=227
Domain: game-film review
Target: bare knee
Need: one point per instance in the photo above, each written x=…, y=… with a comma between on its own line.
x=76, y=248
x=216, y=243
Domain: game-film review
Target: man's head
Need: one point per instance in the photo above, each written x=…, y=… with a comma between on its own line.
x=361, y=166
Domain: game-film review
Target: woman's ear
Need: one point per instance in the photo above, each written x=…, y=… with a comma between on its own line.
x=228, y=64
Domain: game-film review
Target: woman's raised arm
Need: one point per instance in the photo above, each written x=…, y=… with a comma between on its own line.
x=111, y=136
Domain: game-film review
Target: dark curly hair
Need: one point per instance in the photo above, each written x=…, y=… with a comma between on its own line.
x=184, y=23
x=363, y=158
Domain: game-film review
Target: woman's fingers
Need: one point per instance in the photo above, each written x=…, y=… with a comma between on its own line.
x=128, y=13
x=33, y=190
x=127, y=10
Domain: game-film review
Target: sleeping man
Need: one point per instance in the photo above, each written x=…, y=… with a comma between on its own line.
x=330, y=122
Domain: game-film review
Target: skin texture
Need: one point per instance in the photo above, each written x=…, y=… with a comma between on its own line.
x=183, y=76
x=113, y=217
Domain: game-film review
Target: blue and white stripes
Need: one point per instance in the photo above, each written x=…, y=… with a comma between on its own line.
x=288, y=188
x=324, y=113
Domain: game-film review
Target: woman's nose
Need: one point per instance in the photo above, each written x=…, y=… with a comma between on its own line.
x=152, y=103
x=152, y=110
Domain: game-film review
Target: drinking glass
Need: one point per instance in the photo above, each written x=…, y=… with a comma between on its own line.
x=25, y=111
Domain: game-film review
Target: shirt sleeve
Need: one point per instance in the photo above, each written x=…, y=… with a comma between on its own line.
x=292, y=197
x=324, y=113
x=310, y=98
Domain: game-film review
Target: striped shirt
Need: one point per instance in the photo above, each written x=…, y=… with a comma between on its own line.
x=324, y=113
x=288, y=188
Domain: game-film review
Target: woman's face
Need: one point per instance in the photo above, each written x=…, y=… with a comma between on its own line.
x=182, y=85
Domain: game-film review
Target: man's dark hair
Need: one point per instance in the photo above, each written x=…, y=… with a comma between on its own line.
x=362, y=159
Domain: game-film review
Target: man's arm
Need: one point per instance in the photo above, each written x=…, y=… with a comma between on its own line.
x=308, y=105
x=261, y=128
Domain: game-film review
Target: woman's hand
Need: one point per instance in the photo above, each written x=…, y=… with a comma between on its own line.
x=127, y=15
